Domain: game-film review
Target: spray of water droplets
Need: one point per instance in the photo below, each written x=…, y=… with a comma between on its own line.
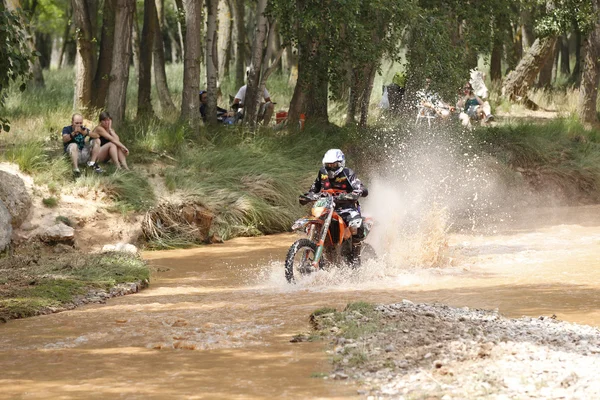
x=423, y=184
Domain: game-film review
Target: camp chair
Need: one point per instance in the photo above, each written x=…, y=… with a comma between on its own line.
x=424, y=112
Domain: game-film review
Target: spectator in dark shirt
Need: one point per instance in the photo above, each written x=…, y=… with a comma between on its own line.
x=78, y=144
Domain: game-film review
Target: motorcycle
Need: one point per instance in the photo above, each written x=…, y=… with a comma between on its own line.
x=329, y=238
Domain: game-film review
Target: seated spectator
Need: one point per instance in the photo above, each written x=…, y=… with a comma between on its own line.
x=265, y=112
x=110, y=144
x=79, y=144
x=222, y=113
x=431, y=104
x=473, y=107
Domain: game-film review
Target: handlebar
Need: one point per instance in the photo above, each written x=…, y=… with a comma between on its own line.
x=339, y=195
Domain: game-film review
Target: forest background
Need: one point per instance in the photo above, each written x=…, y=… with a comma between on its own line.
x=146, y=61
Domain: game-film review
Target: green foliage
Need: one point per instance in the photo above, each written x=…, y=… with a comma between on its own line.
x=64, y=220
x=337, y=36
x=30, y=156
x=15, y=56
x=131, y=189
x=251, y=183
x=563, y=14
x=50, y=202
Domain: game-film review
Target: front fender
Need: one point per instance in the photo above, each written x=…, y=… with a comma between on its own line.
x=302, y=223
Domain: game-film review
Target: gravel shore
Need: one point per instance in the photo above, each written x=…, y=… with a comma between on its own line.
x=423, y=351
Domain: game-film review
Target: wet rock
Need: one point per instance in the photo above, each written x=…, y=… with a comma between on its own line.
x=214, y=238
x=15, y=197
x=299, y=338
x=120, y=247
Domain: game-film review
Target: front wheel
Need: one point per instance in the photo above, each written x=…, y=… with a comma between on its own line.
x=299, y=259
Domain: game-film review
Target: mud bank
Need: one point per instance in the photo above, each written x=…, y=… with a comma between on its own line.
x=410, y=351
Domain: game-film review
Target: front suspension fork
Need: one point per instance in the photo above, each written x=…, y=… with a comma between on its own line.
x=321, y=242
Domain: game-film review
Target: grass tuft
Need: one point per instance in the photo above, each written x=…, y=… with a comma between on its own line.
x=50, y=202
x=56, y=280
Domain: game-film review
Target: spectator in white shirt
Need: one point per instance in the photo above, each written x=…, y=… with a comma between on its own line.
x=265, y=112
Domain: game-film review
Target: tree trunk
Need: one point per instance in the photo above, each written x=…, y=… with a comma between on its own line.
x=369, y=74
x=353, y=100
x=527, y=33
x=145, y=78
x=175, y=45
x=160, y=75
x=190, y=101
x=590, y=74
x=517, y=83
x=224, y=27
x=86, y=54
x=514, y=49
x=36, y=67
x=66, y=35
x=240, y=39
x=274, y=44
x=576, y=74
x=316, y=84
x=545, y=75
x=135, y=44
x=107, y=41
x=296, y=105
x=181, y=28
x=212, y=71
x=253, y=96
x=565, y=66
x=496, y=61
x=119, y=71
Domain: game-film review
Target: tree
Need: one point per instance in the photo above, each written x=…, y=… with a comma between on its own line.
x=15, y=56
x=190, y=101
x=107, y=41
x=240, y=40
x=253, y=95
x=517, y=83
x=160, y=75
x=226, y=31
x=212, y=63
x=590, y=77
x=86, y=54
x=147, y=43
x=119, y=75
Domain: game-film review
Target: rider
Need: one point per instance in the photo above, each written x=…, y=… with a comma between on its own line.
x=335, y=175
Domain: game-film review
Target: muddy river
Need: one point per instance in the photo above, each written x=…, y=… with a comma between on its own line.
x=216, y=321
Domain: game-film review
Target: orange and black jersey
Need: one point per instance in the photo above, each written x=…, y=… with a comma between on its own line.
x=345, y=180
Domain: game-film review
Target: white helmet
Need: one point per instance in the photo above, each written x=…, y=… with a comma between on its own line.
x=334, y=162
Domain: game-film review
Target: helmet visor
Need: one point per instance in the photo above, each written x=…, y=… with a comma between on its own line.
x=332, y=166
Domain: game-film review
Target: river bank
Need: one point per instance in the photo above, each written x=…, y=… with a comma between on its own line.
x=34, y=280
x=413, y=351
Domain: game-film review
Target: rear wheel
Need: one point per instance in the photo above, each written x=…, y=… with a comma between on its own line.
x=299, y=259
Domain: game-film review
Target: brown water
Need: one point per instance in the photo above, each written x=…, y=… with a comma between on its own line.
x=216, y=321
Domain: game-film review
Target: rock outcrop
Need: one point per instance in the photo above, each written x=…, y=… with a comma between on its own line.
x=58, y=233
x=15, y=197
x=5, y=226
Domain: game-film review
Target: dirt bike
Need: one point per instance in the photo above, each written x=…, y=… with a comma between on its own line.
x=329, y=238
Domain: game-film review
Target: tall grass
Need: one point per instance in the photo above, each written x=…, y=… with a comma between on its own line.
x=251, y=180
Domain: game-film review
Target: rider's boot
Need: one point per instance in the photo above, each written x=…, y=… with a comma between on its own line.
x=356, y=250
